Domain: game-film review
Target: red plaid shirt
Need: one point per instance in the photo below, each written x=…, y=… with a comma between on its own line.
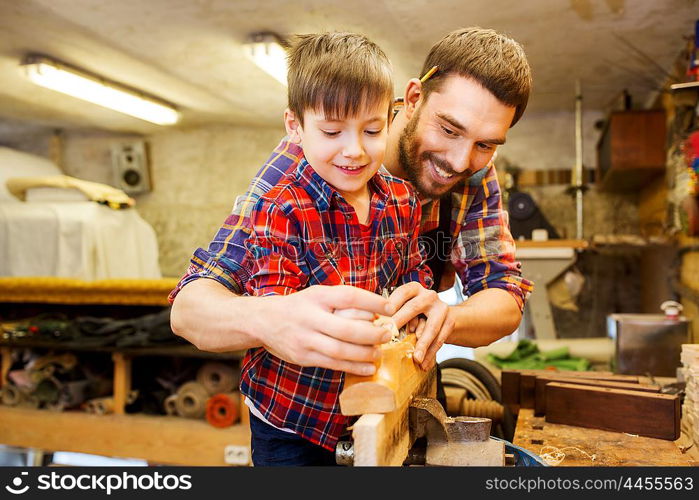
x=304, y=233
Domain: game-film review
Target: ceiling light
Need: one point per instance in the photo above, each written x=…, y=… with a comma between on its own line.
x=63, y=78
x=267, y=51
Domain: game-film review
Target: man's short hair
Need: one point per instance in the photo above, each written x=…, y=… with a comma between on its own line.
x=494, y=60
x=337, y=73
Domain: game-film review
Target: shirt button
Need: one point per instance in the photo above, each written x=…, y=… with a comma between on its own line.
x=360, y=267
x=348, y=216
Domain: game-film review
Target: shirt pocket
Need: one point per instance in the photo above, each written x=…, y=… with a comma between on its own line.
x=391, y=255
x=325, y=262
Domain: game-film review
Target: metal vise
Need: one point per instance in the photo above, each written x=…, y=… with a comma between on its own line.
x=441, y=440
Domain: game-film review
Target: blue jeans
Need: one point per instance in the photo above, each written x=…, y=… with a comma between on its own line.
x=272, y=447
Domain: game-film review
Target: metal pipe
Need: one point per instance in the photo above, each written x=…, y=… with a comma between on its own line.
x=578, y=169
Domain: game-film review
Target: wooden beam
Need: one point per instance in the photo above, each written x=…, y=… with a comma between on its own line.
x=55, y=290
x=542, y=382
x=5, y=363
x=395, y=381
x=122, y=381
x=527, y=381
x=455, y=397
x=509, y=380
x=384, y=439
x=634, y=412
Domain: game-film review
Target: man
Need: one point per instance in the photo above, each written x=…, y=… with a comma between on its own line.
x=443, y=141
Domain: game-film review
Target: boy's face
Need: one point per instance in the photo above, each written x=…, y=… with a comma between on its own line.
x=345, y=152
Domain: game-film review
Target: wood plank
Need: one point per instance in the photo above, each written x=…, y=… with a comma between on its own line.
x=455, y=396
x=122, y=382
x=527, y=386
x=579, y=444
x=244, y=411
x=395, y=381
x=5, y=363
x=509, y=381
x=384, y=439
x=542, y=382
x=165, y=440
x=645, y=414
x=553, y=243
x=54, y=290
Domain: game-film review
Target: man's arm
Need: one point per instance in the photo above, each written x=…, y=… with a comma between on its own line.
x=300, y=328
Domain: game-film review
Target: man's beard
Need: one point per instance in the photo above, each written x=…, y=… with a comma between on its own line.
x=411, y=162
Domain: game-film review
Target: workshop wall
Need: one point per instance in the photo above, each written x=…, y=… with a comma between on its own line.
x=198, y=174
x=604, y=213
x=546, y=141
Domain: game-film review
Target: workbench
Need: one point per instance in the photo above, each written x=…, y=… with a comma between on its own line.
x=608, y=448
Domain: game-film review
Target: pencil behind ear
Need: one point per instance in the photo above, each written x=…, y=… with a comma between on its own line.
x=293, y=126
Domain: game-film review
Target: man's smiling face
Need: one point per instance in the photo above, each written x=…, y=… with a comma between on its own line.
x=452, y=135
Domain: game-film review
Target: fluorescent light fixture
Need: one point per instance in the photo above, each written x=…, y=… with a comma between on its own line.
x=267, y=51
x=63, y=78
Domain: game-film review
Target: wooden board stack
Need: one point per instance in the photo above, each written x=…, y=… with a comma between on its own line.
x=690, y=372
x=599, y=400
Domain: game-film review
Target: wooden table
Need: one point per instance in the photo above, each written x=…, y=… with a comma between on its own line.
x=608, y=448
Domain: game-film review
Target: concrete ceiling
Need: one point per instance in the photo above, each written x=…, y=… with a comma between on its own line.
x=189, y=51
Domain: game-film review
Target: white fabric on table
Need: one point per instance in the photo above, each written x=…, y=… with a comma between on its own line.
x=81, y=240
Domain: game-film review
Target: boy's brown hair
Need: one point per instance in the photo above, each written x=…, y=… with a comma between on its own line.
x=337, y=73
x=494, y=60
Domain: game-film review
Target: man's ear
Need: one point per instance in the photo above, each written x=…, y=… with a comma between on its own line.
x=413, y=97
x=293, y=126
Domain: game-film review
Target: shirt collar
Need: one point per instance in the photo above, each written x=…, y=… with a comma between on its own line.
x=322, y=192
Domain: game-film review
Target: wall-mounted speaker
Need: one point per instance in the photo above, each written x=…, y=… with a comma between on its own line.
x=130, y=166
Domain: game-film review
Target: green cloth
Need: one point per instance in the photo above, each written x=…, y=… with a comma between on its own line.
x=526, y=356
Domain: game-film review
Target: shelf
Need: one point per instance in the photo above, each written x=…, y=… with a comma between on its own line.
x=576, y=244
x=157, y=439
x=185, y=350
x=52, y=290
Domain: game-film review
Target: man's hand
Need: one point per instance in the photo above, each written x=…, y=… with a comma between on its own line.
x=411, y=300
x=302, y=328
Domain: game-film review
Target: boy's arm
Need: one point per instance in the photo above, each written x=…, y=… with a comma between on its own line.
x=299, y=328
x=275, y=252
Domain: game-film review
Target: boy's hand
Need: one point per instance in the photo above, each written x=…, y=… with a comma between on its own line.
x=411, y=300
x=302, y=328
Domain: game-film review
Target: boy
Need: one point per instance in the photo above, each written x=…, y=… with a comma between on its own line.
x=334, y=220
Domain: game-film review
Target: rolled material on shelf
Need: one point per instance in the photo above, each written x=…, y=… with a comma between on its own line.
x=217, y=377
x=100, y=406
x=223, y=410
x=132, y=396
x=48, y=391
x=10, y=395
x=170, y=405
x=191, y=400
x=74, y=393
